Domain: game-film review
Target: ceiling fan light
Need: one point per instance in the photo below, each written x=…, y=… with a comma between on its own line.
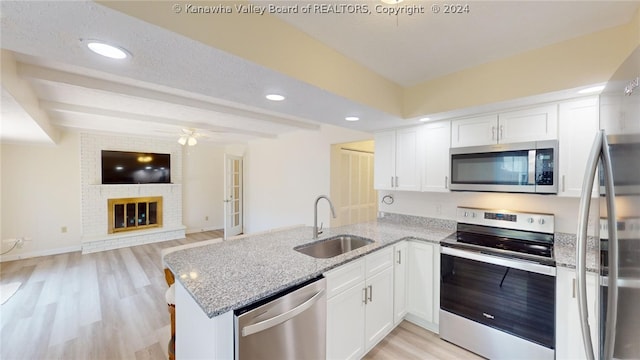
x=192, y=141
x=182, y=140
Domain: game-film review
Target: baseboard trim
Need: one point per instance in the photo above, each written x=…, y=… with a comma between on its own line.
x=434, y=328
x=198, y=230
x=33, y=254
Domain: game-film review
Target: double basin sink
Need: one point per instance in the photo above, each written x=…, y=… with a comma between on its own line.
x=333, y=246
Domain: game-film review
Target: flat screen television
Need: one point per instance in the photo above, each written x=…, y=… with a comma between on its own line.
x=123, y=167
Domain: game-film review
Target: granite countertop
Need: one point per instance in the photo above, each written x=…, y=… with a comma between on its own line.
x=232, y=274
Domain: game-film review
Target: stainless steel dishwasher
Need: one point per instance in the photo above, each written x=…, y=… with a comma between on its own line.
x=289, y=325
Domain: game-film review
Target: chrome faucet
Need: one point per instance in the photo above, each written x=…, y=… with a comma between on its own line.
x=317, y=232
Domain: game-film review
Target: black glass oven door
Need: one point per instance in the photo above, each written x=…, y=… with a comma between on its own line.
x=518, y=302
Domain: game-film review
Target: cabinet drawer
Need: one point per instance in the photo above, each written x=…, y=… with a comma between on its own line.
x=379, y=261
x=344, y=277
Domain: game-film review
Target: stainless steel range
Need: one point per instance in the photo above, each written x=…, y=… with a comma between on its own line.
x=497, y=289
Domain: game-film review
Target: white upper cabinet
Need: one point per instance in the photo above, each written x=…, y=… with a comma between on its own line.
x=617, y=118
x=577, y=129
x=539, y=123
x=396, y=165
x=475, y=131
x=435, y=140
x=384, y=166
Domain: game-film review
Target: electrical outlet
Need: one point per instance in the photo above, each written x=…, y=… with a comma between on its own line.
x=20, y=243
x=63, y=229
x=206, y=218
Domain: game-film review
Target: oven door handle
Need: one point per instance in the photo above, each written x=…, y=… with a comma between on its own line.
x=500, y=261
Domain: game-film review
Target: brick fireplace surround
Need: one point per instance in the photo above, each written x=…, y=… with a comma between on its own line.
x=95, y=196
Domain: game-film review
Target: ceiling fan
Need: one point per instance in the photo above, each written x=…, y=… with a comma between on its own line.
x=189, y=137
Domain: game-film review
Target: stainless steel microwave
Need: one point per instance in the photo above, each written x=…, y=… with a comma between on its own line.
x=529, y=167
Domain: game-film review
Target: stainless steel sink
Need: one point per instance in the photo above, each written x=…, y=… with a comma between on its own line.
x=333, y=246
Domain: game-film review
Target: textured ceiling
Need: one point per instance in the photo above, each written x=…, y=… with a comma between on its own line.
x=173, y=82
x=409, y=49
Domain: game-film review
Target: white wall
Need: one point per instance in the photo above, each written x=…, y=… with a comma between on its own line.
x=283, y=177
x=203, y=187
x=41, y=193
x=443, y=205
x=38, y=179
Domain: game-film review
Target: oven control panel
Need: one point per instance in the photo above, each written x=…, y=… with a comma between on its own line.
x=507, y=219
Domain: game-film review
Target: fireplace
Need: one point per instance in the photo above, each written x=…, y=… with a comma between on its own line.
x=129, y=214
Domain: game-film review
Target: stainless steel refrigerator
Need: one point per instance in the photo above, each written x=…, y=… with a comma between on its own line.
x=614, y=162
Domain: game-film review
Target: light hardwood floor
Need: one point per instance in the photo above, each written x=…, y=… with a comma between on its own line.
x=110, y=305
x=409, y=341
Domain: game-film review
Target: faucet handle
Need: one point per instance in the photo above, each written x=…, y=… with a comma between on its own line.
x=320, y=229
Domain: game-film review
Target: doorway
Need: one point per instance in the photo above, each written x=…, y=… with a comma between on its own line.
x=352, y=183
x=233, y=194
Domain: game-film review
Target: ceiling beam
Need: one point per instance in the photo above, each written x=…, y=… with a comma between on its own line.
x=25, y=97
x=88, y=110
x=39, y=73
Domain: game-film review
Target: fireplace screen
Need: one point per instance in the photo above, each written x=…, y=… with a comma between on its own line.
x=134, y=213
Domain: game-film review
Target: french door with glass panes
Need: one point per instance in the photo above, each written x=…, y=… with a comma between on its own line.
x=232, y=195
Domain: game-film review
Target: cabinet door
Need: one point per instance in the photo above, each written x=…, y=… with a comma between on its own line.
x=619, y=113
x=476, y=131
x=400, y=281
x=539, y=123
x=379, y=309
x=435, y=140
x=407, y=165
x=569, y=344
x=345, y=323
x=420, y=294
x=384, y=168
x=578, y=125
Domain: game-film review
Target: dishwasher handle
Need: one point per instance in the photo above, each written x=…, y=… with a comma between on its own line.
x=279, y=319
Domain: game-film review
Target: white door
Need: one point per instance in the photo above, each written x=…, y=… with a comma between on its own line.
x=407, y=164
x=379, y=310
x=232, y=195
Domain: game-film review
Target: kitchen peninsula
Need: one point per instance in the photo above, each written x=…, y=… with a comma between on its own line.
x=216, y=279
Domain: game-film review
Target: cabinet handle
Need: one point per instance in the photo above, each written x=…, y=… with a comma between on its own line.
x=501, y=132
x=563, y=187
x=370, y=293
x=364, y=291
x=493, y=133
x=574, y=288
x=399, y=257
x=392, y=181
x=396, y=181
x=446, y=182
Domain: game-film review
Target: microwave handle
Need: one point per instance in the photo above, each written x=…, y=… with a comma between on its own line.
x=532, y=168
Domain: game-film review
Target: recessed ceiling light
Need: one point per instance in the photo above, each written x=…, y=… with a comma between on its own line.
x=591, y=90
x=106, y=50
x=352, y=118
x=275, y=97
x=424, y=119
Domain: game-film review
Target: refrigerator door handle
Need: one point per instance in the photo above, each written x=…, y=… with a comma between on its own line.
x=612, y=294
x=581, y=246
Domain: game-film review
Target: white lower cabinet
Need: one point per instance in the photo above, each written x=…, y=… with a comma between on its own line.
x=423, y=284
x=360, y=314
x=345, y=319
x=400, y=267
x=569, y=343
